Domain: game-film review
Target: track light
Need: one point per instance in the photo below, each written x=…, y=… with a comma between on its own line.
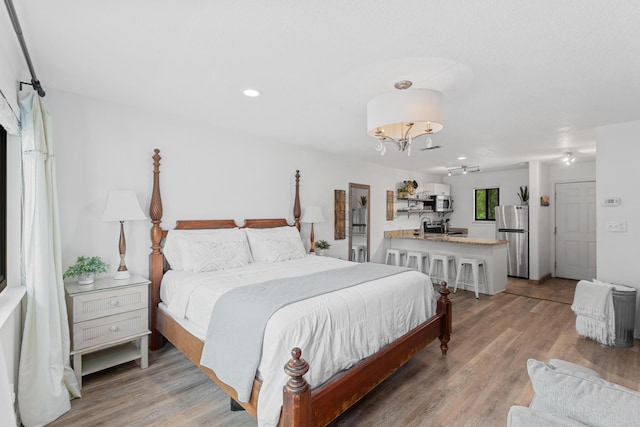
x=463, y=170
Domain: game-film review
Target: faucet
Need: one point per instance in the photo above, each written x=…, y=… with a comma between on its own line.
x=424, y=219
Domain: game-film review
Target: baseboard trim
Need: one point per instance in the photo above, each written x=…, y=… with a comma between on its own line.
x=541, y=280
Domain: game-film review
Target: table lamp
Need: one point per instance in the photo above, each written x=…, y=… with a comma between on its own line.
x=122, y=206
x=310, y=215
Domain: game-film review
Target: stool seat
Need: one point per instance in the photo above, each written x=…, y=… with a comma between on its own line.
x=475, y=265
x=394, y=256
x=440, y=265
x=420, y=259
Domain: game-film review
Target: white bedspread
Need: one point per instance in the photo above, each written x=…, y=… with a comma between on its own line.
x=333, y=330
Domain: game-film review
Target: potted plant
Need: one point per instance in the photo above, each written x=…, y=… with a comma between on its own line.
x=523, y=194
x=403, y=192
x=363, y=201
x=322, y=246
x=85, y=269
x=412, y=186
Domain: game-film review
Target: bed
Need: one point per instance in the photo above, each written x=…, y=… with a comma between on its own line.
x=315, y=393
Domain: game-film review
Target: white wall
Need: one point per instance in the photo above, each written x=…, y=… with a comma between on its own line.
x=619, y=176
x=539, y=222
x=205, y=173
x=462, y=191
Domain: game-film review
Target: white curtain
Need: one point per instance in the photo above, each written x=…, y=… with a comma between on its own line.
x=46, y=381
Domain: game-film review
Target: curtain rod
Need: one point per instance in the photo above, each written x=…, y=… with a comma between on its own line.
x=16, y=26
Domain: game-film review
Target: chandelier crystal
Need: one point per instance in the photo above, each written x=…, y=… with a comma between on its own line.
x=403, y=116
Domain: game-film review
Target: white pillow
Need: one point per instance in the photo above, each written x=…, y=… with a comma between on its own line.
x=275, y=244
x=582, y=397
x=212, y=256
x=177, y=247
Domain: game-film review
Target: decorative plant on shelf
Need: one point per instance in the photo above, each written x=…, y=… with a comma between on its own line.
x=321, y=246
x=363, y=201
x=85, y=269
x=523, y=195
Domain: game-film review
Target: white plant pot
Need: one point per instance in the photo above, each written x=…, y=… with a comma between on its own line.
x=86, y=279
x=320, y=252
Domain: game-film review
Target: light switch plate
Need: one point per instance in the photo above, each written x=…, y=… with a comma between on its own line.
x=615, y=226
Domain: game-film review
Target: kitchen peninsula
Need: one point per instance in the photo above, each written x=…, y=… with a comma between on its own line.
x=492, y=252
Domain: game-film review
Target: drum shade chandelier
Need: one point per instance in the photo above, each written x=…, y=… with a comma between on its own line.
x=402, y=116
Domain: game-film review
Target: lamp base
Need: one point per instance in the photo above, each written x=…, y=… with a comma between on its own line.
x=122, y=275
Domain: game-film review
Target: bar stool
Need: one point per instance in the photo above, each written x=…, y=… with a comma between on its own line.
x=356, y=251
x=421, y=261
x=475, y=265
x=397, y=256
x=442, y=263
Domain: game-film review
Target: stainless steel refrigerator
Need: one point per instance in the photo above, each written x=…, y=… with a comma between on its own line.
x=512, y=224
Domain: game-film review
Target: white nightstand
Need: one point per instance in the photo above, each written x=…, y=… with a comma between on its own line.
x=109, y=322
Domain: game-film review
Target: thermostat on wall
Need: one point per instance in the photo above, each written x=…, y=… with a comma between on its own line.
x=611, y=201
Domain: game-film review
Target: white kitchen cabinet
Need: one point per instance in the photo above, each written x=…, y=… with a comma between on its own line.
x=437, y=189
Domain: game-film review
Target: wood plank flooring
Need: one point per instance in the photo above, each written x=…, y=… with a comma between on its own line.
x=483, y=374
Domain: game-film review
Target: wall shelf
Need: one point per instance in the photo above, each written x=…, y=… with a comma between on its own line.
x=416, y=206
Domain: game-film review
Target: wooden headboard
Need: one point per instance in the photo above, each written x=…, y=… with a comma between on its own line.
x=156, y=258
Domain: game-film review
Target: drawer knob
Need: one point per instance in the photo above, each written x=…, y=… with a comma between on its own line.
x=114, y=328
x=114, y=302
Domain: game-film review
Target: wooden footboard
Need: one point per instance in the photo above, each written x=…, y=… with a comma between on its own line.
x=302, y=406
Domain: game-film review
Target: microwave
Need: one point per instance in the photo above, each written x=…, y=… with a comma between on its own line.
x=444, y=204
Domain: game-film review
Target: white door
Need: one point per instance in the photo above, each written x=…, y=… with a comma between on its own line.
x=576, y=230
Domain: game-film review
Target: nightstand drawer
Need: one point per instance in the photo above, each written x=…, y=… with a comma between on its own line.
x=99, y=304
x=106, y=329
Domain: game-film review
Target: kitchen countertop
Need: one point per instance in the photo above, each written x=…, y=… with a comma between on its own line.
x=414, y=234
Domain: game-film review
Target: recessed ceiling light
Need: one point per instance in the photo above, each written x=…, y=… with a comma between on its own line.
x=462, y=158
x=251, y=93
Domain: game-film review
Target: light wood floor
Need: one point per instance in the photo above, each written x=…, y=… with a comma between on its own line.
x=483, y=374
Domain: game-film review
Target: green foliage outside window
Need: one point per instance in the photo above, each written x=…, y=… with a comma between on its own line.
x=486, y=200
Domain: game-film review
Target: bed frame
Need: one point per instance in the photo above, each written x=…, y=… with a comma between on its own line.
x=302, y=406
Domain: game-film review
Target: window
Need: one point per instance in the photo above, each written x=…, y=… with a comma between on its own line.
x=486, y=200
x=3, y=208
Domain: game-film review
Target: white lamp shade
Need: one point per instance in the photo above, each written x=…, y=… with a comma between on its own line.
x=391, y=111
x=122, y=206
x=312, y=214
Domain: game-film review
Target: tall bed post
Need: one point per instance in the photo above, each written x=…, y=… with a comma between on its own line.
x=296, y=204
x=156, y=259
x=444, y=306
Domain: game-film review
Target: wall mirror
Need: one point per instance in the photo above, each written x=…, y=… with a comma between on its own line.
x=359, y=202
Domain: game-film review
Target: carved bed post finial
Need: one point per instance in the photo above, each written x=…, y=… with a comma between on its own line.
x=296, y=404
x=296, y=204
x=444, y=306
x=155, y=208
x=156, y=258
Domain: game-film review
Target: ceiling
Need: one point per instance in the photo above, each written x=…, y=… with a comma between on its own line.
x=522, y=80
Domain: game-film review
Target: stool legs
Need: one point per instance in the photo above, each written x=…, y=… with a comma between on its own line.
x=397, y=256
x=444, y=261
x=475, y=270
